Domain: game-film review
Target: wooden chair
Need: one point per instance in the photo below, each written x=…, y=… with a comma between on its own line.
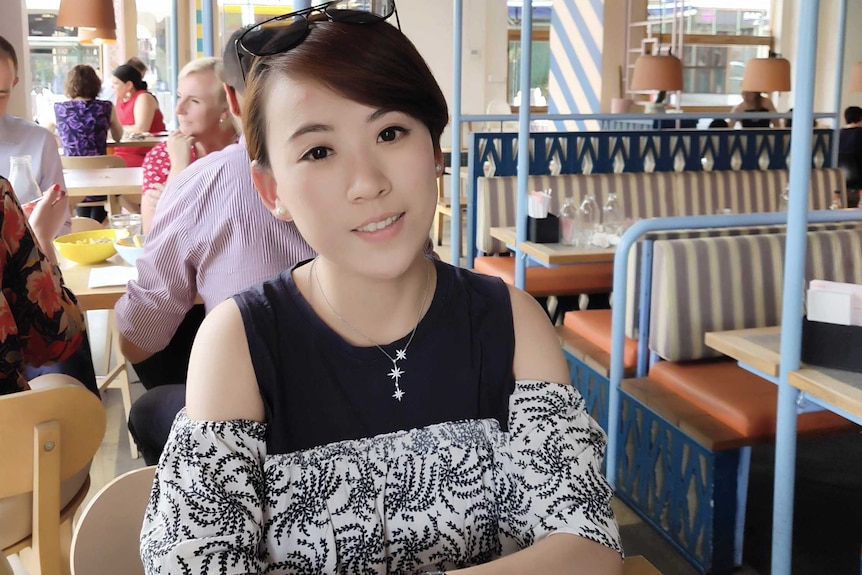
x=80, y=224
x=49, y=435
x=92, y=163
x=114, y=515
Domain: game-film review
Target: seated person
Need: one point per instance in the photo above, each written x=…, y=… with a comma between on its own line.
x=850, y=153
x=754, y=102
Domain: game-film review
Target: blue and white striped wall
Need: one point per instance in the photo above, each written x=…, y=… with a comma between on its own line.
x=575, y=83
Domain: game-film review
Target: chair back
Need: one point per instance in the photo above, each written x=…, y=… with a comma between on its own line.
x=80, y=224
x=107, y=538
x=92, y=162
x=48, y=436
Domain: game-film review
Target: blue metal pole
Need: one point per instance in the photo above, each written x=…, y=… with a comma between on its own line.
x=173, y=30
x=524, y=140
x=839, y=80
x=302, y=4
x=794, y=274
x=208, y=27
x=455, y=126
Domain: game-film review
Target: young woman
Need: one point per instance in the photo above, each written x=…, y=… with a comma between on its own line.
x=755, y=102
x=372, y=410
x=137, y=110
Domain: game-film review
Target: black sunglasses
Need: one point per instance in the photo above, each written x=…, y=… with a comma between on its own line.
x=282, y=33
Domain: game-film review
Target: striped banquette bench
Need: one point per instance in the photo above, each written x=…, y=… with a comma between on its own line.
x=641, y=195
x=686, y=429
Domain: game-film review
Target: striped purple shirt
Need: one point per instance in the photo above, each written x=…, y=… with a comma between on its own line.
x=211, y=236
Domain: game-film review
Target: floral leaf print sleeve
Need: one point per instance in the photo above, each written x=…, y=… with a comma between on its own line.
x=40, y=321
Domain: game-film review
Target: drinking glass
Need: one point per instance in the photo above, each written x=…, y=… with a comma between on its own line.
x=127, y=225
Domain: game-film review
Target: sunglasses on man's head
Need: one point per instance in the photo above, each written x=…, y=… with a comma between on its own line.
x=282, y=33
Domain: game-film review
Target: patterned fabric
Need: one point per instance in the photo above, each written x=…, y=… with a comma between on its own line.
x=445, y=496
x=214, y=238
x=39, y=318
x=157, y=166
x=83, y=126
x=702, y=285
x=134, y=155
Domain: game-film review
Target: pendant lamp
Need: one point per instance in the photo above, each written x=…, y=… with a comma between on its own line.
x=766, y=75
x=87, y=14
x=660, y=73
x=855, y=84
x=90, y=36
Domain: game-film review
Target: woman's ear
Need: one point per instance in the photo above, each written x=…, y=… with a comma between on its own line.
x=267, y=189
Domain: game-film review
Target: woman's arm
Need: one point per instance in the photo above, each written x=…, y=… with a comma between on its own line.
x=539, y=356
x=116, y=126
x=221, y=384
x=145, y=110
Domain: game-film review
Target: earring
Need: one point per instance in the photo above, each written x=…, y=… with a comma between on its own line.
x=128, y=95
x=280, y=211
x=221, y=120
x=439, y=168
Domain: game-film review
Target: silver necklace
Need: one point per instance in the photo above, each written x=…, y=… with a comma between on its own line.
x=401, y=354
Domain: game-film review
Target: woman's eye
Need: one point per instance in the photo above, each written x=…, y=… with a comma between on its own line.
x=391, y=134
x=319, y=153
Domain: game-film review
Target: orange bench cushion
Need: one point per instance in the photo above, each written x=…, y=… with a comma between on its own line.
x=543, y=282
x=594, y=325
x=736, y=397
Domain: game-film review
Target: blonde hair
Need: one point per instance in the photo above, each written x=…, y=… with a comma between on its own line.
x=207, y=64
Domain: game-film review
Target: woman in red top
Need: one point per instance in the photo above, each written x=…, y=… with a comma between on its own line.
x=205, y=126
x=137, y=109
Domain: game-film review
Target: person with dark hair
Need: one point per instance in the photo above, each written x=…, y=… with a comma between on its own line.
x=210, y=238
x=137, y=109
x=754, y=102
x=138, y=65
x=850, y=153
x=718, y=123
x=371, y=410
x=83, y=122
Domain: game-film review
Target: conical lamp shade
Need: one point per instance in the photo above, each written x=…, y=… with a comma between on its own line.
x=657, y=73
x=87, y=14
x=856, y=78
x=90, y=36
x=766, y=75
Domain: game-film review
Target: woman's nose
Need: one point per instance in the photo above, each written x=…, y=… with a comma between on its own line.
x=369, y=180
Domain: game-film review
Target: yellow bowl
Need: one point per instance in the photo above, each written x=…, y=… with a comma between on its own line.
x=87, y=248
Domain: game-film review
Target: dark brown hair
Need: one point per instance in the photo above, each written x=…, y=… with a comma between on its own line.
x=8, y=51
x=371, y=64
x=82, y=82
x=853, y=114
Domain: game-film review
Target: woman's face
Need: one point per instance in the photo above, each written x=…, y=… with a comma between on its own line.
x=199, y=103
x=749, y=97
x=120, y=87
x=359, y=182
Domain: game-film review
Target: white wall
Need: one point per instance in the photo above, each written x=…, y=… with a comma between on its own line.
x=13, y=27
x=429, y=25
x=787, y=24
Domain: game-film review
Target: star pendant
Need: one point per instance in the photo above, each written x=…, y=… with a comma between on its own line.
x=399, y=393
x=400, y=354
x=395, y=373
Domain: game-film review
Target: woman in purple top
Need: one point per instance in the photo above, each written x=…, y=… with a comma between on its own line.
x=83, y=123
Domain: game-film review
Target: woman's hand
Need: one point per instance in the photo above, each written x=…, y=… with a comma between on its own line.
x=149, y=203
x=180, y=150
x=48, y=217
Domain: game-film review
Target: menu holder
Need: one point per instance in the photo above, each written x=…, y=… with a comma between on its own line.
x=831, y=345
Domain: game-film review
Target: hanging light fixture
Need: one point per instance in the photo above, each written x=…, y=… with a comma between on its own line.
x=90, y=36
x=766, y=75
x=97, y=14
x=660, y=73
x=855, y=84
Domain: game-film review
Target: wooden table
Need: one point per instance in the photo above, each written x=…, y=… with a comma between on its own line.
x=550, y=255
x=147, y=142
x=111, y=182
x=759, y=348
x=77, y=278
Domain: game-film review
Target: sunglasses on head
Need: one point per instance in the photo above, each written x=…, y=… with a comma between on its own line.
x=282, y=33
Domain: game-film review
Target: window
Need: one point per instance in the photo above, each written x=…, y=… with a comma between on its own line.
x=541, y=53
x=718, y=40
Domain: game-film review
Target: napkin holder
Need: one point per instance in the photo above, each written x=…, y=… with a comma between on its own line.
x=831, y=345
x=543, y=230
